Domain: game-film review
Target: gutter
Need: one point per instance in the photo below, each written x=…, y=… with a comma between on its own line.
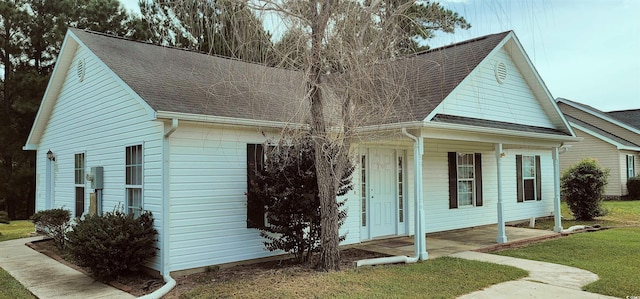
x=170, y=283
x=227, y=120
x=419, y=241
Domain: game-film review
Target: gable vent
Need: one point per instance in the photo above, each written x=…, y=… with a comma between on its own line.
x=81, y=68
x=501, y=72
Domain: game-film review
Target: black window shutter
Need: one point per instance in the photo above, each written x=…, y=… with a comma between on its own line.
x=255, y=208
x=538, y=179
x=453, y=181
x=478, y=166
x=519, y=181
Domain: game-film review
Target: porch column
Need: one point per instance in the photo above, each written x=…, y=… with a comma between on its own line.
x=420, y=199
x=502, y=237
x=557, y=217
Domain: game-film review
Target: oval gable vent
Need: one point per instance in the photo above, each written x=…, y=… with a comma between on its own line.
x=81, y=69
x=501, y=72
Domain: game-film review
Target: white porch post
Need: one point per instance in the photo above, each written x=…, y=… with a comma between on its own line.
x=557, y=217
x=420, y=200
x=502, y=237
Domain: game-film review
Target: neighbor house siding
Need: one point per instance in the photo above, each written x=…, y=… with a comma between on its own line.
x=606, y=154
x=438, y=215
x=100, y=118
x=623, y=169
x=481, y=96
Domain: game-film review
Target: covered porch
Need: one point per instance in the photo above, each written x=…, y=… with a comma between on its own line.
x=450, y=242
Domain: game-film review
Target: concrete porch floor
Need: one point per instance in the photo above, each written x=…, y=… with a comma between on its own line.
x=450, y=242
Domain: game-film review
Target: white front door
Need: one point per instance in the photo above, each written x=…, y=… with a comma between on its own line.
x=383, y=194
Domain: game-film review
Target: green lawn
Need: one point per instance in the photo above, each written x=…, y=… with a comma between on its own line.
x=9, y=287
x=620, y=213
x=16, y=230
x=613, y=254
x=438, y=278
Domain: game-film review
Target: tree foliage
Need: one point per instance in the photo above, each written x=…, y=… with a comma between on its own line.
x=31, y=34
x=287, y=186
x=582, y=187
x=633, y=187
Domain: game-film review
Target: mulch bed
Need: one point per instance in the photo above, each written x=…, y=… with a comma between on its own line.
x=141, y=283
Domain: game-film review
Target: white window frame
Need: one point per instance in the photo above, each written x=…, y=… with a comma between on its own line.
x=631, y=166
x=400, y=177
x=79, y=179
x=526, y=176
x=461, y=179
x=134, y=180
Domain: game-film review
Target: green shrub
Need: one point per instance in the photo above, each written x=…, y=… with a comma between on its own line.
x=112, y=243
x=4, y=217
x=633, y=186
x=583, y=188
x=54, y=223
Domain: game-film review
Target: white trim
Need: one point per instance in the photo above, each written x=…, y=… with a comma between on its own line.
x=618, y=145
x=134, y=186
x=498, y=132
x=225, y=120
x=598, y=114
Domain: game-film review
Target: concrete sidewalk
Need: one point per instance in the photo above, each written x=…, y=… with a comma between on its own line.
x=46, y=277
x=545, y=280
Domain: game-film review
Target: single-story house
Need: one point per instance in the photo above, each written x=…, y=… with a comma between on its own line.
x=172, y=131
x=612, y=138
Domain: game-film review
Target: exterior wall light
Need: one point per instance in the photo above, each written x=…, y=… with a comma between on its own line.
x=50, y=156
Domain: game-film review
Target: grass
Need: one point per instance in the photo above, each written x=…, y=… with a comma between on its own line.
x=9, y=287
x=620, y=213
x=612, y=254
x=16, y=230
x=444, y=277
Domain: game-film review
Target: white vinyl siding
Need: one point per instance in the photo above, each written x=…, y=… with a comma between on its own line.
x=99, y=117
x=436, y=187
x=481, y=96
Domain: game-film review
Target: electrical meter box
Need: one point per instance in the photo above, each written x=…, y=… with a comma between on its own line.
x=98, y=181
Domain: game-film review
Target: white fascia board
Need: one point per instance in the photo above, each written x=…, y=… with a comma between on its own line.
x=65, y=57
x=598, y=114
x=618, y=145
x=503, y=133
x=226, y=120
x=390, y=127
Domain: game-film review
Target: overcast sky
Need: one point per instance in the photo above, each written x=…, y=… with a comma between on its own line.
x=585, y=50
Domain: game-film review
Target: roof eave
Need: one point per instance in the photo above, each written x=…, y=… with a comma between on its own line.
x=598, y=114
x=222, y=120
x=502, y=132
x=618, y=145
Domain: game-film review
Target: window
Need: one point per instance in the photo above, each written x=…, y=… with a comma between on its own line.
x=363, y=186
x=631, y=167
x=528, y=178
x=400, y=190
x=133, y=180
x=79, y=183
x=465, y=180
x=255, y=209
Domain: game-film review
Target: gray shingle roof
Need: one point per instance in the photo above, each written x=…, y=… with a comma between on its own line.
x=630, y=117
x=602, y=132
x=176, y=80
x=494, y=124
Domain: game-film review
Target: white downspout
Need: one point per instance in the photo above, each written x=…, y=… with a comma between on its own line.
x=557, y=217
x=420, y=246
x=170, y=283
x=502, y=236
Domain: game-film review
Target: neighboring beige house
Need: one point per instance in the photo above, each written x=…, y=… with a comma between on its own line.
x=612, y=138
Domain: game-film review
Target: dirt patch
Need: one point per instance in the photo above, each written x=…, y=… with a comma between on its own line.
x=136, y=283
x=141, y=283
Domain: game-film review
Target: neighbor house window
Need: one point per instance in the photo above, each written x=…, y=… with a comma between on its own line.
x=631, y=166
x=465, y=179
x=133, y=180
x=79, y=183
x=528, y=178
x=400, y=190
x=363, y=188
x=255, y=209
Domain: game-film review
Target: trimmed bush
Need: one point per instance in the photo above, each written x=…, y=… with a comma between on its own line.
x=112, y=243
x=583, y=188
x=4, y=217
x=633, y=186
x=54, y=223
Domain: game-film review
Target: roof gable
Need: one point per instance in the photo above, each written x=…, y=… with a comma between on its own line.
x=506, y=88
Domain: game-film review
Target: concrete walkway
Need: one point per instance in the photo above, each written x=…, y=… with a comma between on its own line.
x=545, y=280
x=47, y=278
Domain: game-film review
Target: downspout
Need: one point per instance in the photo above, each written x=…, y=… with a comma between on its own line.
x=170, y=283
x=420, y=247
